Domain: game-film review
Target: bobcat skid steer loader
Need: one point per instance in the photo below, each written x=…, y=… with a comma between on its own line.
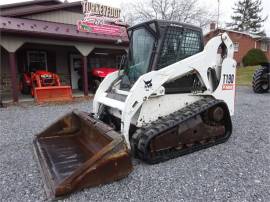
x=174, y=97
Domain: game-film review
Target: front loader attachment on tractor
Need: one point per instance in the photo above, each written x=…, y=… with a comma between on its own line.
x=79, y=151
x=53, y=94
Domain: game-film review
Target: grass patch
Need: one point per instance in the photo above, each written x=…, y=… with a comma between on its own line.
x=244, y=75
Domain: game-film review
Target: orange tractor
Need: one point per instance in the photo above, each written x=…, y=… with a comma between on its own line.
x=44, y=86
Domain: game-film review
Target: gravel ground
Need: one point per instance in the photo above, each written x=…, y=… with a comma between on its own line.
x=238, y=170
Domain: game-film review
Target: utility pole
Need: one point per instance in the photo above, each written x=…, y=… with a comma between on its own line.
x=218, y=14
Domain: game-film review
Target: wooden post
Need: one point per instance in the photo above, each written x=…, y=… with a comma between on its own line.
x=85, y=76
x=13, y=68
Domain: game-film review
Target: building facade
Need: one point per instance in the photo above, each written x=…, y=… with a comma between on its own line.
x=242, y=41
x=44, y=34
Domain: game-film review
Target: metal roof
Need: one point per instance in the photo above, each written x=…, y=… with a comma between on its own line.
x=35, y=7
x=254, y=36
x=44, y=29
x=26, y=3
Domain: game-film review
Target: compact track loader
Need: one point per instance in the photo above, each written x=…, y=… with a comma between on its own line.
x=261, y=79
x=174, y=97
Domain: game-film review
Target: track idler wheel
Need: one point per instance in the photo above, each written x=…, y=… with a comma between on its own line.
x=216, y=114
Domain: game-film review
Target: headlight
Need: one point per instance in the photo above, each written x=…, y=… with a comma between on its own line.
x=46, y=76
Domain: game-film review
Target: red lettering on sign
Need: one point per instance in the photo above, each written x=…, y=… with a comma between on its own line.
x=227, y=86
x=112, y=30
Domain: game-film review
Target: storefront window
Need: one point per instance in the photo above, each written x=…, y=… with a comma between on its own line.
x=264, y=46
x=110, y=60
x=94, y=62
x=37, y=60
x=236, y=46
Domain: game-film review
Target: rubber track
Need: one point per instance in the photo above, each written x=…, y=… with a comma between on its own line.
x=257, y=80
x=141, y=139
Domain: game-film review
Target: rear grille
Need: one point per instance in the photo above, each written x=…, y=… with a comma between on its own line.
x=48, y=81
x=179, y=43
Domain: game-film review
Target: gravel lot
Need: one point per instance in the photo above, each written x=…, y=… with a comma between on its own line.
x=238, y=170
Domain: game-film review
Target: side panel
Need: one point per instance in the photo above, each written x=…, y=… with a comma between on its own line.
x=61, y=16
x=157, y=107
x=226, y=88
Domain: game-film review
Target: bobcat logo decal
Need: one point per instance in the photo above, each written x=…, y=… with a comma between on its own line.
x=147, y=84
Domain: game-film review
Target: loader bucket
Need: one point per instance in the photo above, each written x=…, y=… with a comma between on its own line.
x=79, y=151
x=53, y=94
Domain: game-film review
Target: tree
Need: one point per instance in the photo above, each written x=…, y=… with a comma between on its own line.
x=254, y=57
x=173, y=10
x=247, y=16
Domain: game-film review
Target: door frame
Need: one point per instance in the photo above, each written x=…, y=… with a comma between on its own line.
x=71, y=57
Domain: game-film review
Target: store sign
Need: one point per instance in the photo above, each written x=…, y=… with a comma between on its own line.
x=101, y=19
x=101, y=10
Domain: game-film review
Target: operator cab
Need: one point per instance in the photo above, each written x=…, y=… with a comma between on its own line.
x=157, y=44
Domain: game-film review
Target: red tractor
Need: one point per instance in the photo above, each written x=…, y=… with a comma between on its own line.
x=95, y=77
x=44, y=86
x=40, y=78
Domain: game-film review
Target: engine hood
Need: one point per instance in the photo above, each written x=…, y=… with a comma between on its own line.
x=103, y=71
x=43, y=73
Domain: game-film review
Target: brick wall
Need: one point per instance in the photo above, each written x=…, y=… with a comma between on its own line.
x=245, y=44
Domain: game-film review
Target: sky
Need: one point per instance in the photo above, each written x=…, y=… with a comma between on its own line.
x=225, y=8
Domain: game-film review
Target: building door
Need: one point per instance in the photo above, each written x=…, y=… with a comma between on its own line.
x=75, y=69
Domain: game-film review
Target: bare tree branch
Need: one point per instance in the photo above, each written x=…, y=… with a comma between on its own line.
x=173, y=10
